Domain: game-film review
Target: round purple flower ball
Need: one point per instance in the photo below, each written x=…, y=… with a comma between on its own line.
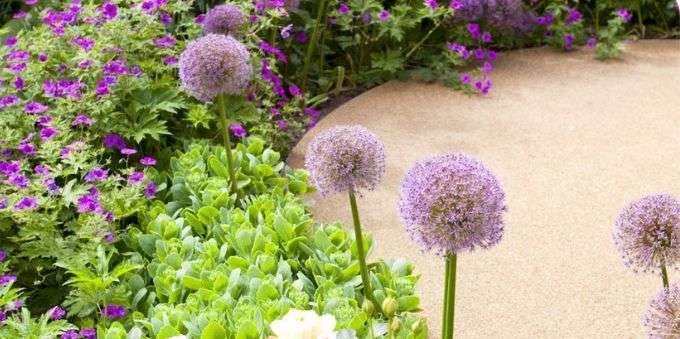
x=452, y=203
x=344, y=158
x=224, y=19
x=647, y=233
x=214, y=64
x=662, y=319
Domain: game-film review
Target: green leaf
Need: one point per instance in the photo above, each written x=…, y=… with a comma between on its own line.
x=213, y=331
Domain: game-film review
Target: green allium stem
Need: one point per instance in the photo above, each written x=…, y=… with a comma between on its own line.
x=368, y=292
x=222, y=113
x=450, y=297
x=664, y=276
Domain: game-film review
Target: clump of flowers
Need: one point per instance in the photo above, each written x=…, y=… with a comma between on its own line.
x=348, y=158
x=297, y=324
x=450, y=204
x=662, y=319
x=647, y=234
x=214, y=64
x=224, y=19
x=609, y=38
x=345, y=158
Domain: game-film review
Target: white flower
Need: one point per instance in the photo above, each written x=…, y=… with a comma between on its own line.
x=298, y=324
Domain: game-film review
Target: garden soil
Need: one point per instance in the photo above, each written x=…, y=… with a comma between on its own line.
x=573, y=140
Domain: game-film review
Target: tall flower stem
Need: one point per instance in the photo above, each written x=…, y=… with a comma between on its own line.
x=222, y=114
x=368, y=292
x=664, y=275
x=417, y=45
x=450, y=297
x=320, y=22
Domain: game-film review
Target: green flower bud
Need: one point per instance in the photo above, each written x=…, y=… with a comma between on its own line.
x=390, y=306
x=395, y=325
x=368, y=307
x=418, y=326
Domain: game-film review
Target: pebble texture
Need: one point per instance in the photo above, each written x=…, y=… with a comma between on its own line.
x=572, y=140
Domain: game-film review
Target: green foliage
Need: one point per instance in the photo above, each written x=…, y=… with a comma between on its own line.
x=609, y=38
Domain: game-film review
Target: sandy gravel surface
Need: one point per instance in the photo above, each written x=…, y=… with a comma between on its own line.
x=573, y=140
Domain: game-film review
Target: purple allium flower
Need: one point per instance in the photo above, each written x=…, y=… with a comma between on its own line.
x=237, y=130
x=84, y=43
x=113, y=311
x=573, y=17
x=70, y=334
x=214, y=64
x=569, y=41
x=34, y=107
x=344, y=158
x=165, y=18
x=96, y=174
x=136, y=178
x=592, y=42
x=165, y=41
x=7, y=278
x=170, y=60
x=150, y=191
x=452, y=203
x=147, y=161
x=224, y=19
x=662, y=319
x=26, y=203
x=27, y=149
x=82, y=120
x=624, y=14
x=343, y=8
x=487, y=37
x=88, y=333
x=114, y=141
x=57, y=313
x=384, y=15
x=647, y=233
x=465, y=78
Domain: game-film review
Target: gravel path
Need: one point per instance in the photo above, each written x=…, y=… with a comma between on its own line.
x=573, y=140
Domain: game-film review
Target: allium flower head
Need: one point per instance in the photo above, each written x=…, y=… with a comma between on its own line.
x=647, y=233
x=345, y=157
x=224, y=19
x=662, y=319
x=452, y=203
x=214, y=64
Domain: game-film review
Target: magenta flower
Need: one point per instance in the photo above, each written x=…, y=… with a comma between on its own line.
x=150, y=191
x=592, y=42
x=237, y=130
x=19, y=15
x=573, y=17
x=84, y=43
x=57, y=313
x=624, y=14
x=456, y=4
x=113, y=311
x=569, y=41
x=128, y=151
x=96, y=174
x=27, y=149
x=474, y=31
x=88, y=333
x=48, y=133
x=34, y=107
x=483, y=86
x=70, y=334
x=135, y=178
x=26, y=203
x=170, y=60
x=545, y=20
x=42, y=57
x=147, y=161
x=114, y=141
x=384, y=15
x=82, y=120
x=165, y=18
x=431, y=3
x=343, y=8
x=487, y=38
x=294, y=90
x=166, y=41
x=109, y=10
x=465, y=78
x=452, y=203
x=3, y=255
x=7, y=279
x=301, y=37
x=345, y=158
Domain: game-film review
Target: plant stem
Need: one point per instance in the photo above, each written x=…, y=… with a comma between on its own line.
x=445, y=307
x=664, y=275
x=368, y=292
x=222, y=112
x=312, y=42
x=450, y=293
x=421, y=41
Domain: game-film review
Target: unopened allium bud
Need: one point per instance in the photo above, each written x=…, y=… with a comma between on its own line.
x=368, y=307
x=395, y=325
x=390, y=306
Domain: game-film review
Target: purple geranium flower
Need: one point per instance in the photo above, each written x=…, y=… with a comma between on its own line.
x=96, y=174
x=625, y=14
x=34, y=107
x=128, y=151
x=474, y=30
x=48, y=133
x=7, y=278
x=343, y=8
x=573, y=17
x=27, y=149
x=88, y=333
x=26, y=203
x=237, y=130
x=70, y=334
x=82, y=120
x=150, y=191
x=569, y=41
x=136, y=178
x=114, y=141
x=384, y=15
x=147, y=161
x=57, y=313
x=84, y=43
x=109, y=10
x=465, y=78
x=165, y=41
x=170, y=60
x=113, y=311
